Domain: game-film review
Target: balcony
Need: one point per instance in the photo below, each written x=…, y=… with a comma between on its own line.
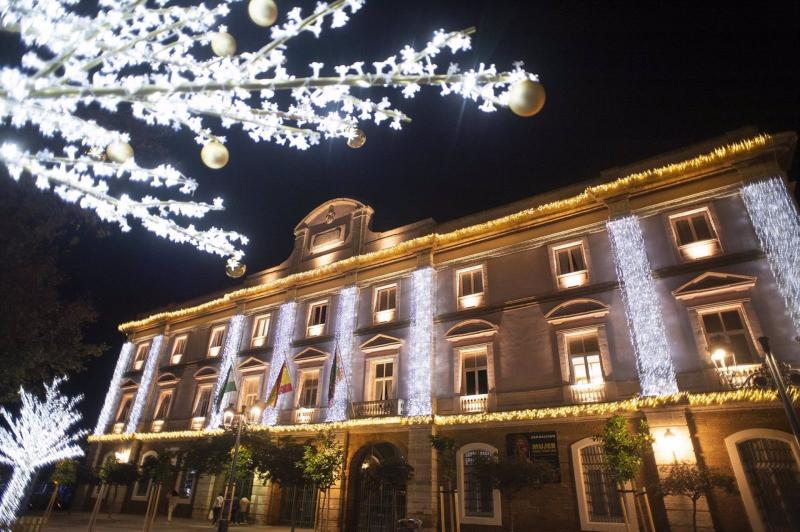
x=198, y=423
x=573, y=279
x=470, y=301
x=383, y=408
x=473, y=404
x=700, y=249
x=385, y=316
x=157, y=425
x=315, y=330
x=119, y=427
x=301, y=416
x=588, y=392
x=213, y=352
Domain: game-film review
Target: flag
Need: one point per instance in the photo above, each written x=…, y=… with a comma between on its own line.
x=335, y=375
x=283, y=384
x=230, y=386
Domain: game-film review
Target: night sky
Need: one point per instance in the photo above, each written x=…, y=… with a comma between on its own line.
x=624, y=80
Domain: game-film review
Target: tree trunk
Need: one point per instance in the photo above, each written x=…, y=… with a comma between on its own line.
x=625, y=519
x=14, y=494
x=694, y=515
x=50, y=504
x=96, y=509
x=294, y=505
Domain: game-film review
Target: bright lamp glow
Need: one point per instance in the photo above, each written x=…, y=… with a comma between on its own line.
x=775, y=220
x=283, y=341
x=419, y=346
x=112, y=396
x=642, y=308
x=144, y=385
x=345, y=324
x=230, y=351
x=700, y=249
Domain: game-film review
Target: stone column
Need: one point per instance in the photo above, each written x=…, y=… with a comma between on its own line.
x=673, y=444
x=421, y=492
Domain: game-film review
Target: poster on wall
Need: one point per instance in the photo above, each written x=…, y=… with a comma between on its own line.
x=535, y=446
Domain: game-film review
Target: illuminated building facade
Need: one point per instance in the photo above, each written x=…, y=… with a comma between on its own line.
x=518, y=330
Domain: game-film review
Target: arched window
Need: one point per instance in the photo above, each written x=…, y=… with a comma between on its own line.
x=141, y=487
x=599, y=502
x=765, y=463
x=480, y=504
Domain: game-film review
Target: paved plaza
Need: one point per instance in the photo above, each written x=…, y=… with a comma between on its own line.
x=79, y=521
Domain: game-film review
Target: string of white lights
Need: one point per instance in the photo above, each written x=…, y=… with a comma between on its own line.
x=112, y=396
x=230, y=352
x=642, y=308
x=420, y=342
x=283, y=342
x=775, y=220
x=345, y=325
x=143, y=391
x=40, y=435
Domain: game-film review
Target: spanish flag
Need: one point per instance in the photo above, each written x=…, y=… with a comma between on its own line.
x=283, y=384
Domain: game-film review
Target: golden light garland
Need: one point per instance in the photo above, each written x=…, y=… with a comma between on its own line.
x=588, y=197
x=531, y=414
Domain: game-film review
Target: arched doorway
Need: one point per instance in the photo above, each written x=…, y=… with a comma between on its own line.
x=372, y=505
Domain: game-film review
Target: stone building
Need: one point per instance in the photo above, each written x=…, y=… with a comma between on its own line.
x=521, y=329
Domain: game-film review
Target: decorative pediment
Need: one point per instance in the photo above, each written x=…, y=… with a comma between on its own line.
x=381, y=342
x=205, y=373
x=576, y=309
x=310, y=355
x=167, y=378
x=713, y=283
x=251, y=363
x=129, y=383
x=469, y=329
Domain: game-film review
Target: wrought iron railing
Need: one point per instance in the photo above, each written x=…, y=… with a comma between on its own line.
x=382, y=408
x=588, y=392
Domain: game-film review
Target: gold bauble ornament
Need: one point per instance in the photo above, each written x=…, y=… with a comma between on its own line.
x=223, y=44
x=234, y=269
x=357, y=140
x=263, y=12
x=526, y=97
x=119, y=151
x=214, y=155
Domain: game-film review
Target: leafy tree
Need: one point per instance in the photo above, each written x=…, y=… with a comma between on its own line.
x=512, y=475
x=391, y=473
x=446, y=451
x=65, y=473
x=41, y=332
x=114, y=473
x=281, y=461
x=322, y=463
x=210, y=456
x=694, y=482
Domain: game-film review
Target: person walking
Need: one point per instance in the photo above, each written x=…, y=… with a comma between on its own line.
x=244, y=508
x=235, y=510
x=217, y=508
x=172, y=502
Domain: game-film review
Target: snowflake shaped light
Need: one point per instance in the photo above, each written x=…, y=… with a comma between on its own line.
x=151, y=57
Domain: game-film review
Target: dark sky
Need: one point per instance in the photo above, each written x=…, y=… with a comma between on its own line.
x=625, y=80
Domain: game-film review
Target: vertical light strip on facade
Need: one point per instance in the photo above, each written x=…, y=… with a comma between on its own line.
x=144, y=384
x=345, y=324
x=229, y=353
x=112, y=396
x=642, y=308
x=419, y=348
x=775, y=220
x=283, y=341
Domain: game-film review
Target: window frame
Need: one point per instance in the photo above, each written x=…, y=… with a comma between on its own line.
x=684, y=251
x=459, y=384
x=473, y=299
x=317, y=329
x=175, y=342
x=259, y=376
x=125, y=397
x=497, y=510
x=370, y=379
x=389, y=314
x=162, y=394
x=221, y=346
x=138, y=364
x=576, y=278
x=199, y=388
x=751, y=326
x=134, y=492
x=254, y=340
x=304, y=375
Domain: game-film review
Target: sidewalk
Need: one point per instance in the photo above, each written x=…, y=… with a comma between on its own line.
x=80, y=520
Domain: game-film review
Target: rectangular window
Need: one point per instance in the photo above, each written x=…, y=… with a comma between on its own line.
x=476, y=377
x=202, y=401
x=726, y=328
x=178, y=349
x=215, y=341
x=382, y=381
x=470, y=287
x=163, y=404
x=478, y=496
x=695, y=234
x=141, y=355
x=251, y=386
x=186, y=484
x=584, y=356
x=602, y=497
x=260, y=331
x=308, y=391
x=317, y=318
x=570, y=265
x=385, y=303
x=124, y=410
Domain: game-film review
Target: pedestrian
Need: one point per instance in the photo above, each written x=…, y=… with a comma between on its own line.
x=244, y=508
x=234, y=510
x=172, y=502
x=218, y=502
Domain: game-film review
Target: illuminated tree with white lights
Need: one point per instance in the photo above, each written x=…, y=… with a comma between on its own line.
x=175, y=65
x=43, y=433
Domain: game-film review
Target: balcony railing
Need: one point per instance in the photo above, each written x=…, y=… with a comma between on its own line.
x=383, y=408
x=301, y=416
x=471, y=404
x=588, y=392
x=119, y=427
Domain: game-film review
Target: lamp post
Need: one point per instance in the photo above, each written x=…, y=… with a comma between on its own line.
x=232, y=418
x=777, y=378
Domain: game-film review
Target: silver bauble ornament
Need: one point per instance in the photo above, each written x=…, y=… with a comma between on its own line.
x=526, y=97
x=214, y=155
x=357, y=140
x=119, y=151
x=234, y=269
x=262, y=12
x=223, y=44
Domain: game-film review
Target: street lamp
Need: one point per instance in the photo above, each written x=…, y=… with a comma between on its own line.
x=231, y=418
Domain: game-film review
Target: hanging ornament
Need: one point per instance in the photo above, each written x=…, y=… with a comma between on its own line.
x=526, y=97
x=234, y=269
x=263, y=12
x=223, y=44
x=119, y=151
x=214, y=155
x=357, y=140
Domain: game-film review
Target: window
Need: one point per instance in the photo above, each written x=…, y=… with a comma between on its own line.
x=260, y=331
x=308, y=391
x=215, y=341
x=142, y=487
x=727, y=327
x=599, y=501
x=141, y=356
x=178, y=349
x=251, y=388
x=570, y=265
x=124, y=411
x=470, y=287
x=163, y=404
x=317, y=317
x=584, y=358
x=202, y=401
x=385, y=303
x=480, y=503
x=382, y=380
x=476, y=377
x=695, y=234
x=186, y=484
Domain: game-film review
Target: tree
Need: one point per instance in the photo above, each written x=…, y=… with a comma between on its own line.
x=157, y=470
x=150, y=61
x=512, y=475
x=43, y=433
x=446, y=452
x=281, y=461
x=116, y=474
x=694, y=482
x=41, y=332
x=322, y=464
x=65, y=473
x=391, y=473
